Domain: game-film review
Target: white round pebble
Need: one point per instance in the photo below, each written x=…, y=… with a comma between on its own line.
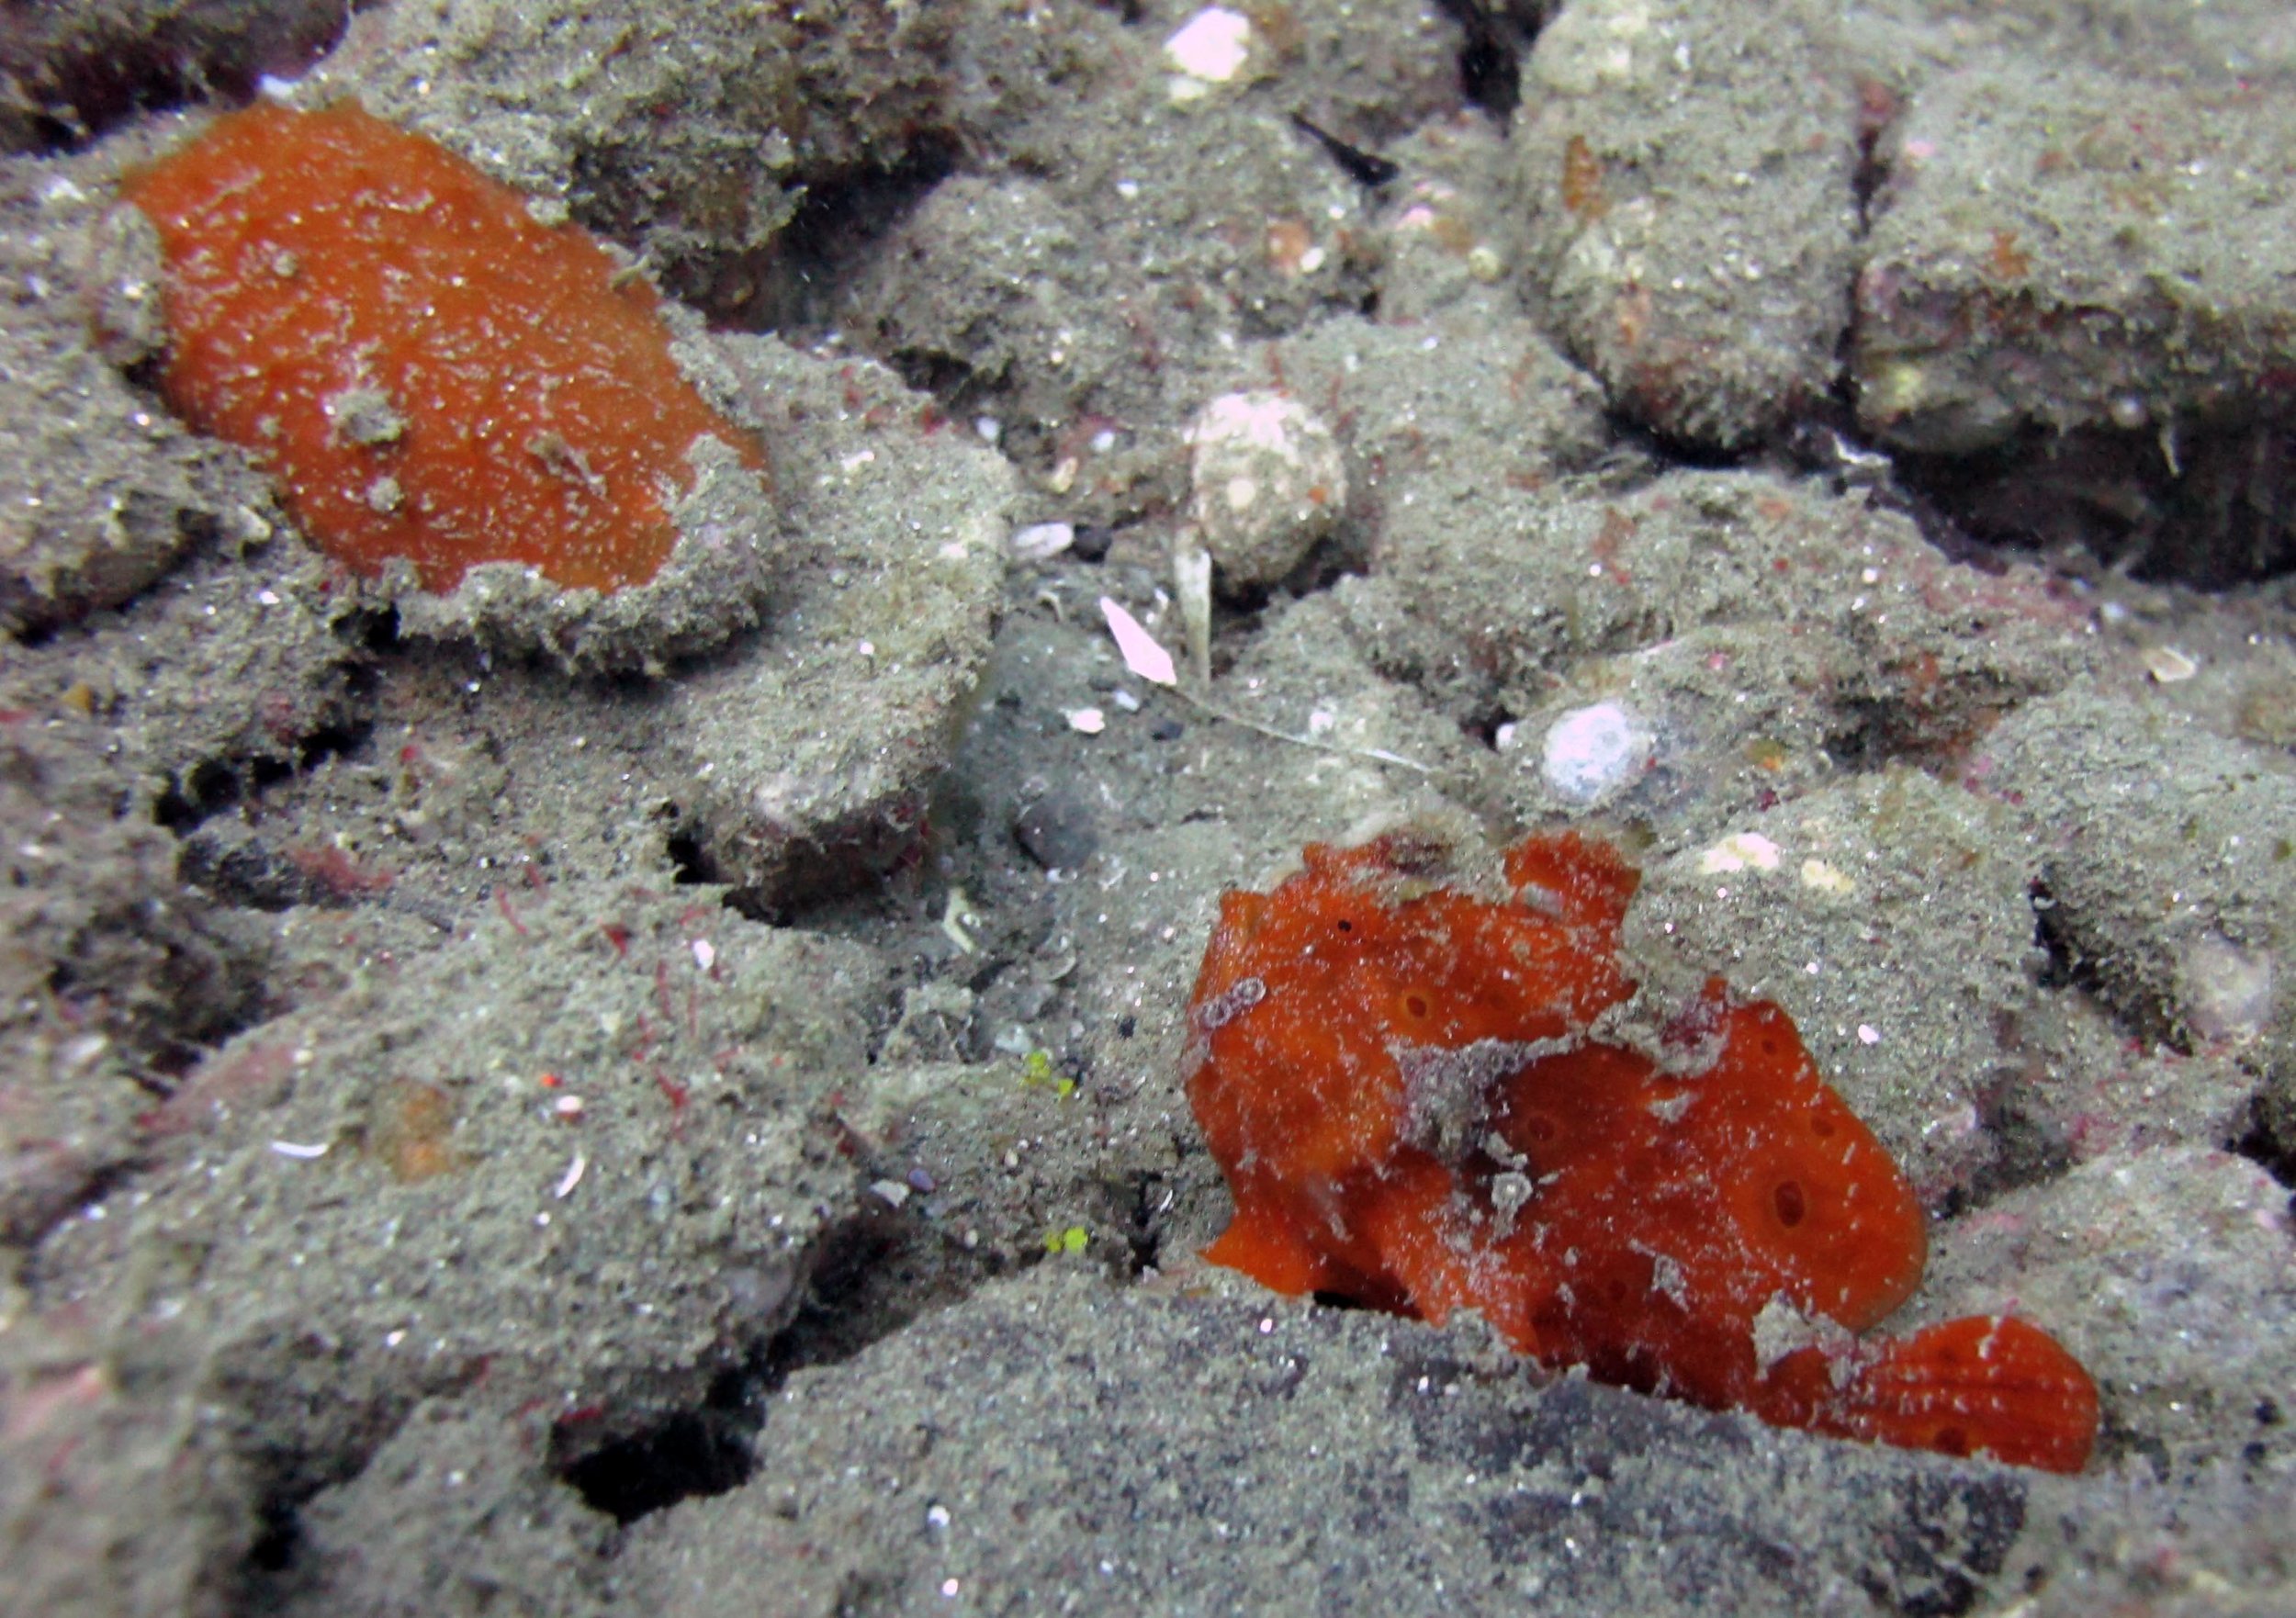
x=1594, y=752
x=1266, y=483
x=1211, y=46
x=1041, y=542
x=2228, y=988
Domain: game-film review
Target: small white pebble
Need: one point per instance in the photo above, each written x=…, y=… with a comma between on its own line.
x=1089, y=720
x=1745, y=850
x=1211, y=46
x=2229, y=992
x=1041, y=542
x=1593, y=752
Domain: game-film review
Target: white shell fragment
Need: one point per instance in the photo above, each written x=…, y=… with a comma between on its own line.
x=1088, y=720
x=2168, y=665
x=571, y=1178
x=954, y=919
x=1191, y=586
x=1140, y=650
x=1266, y=482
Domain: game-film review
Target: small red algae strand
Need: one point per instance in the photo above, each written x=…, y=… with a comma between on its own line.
x=1393, y=1068
x=430, y=372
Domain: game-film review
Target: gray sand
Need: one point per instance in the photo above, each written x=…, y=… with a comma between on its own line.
x=558, y=1105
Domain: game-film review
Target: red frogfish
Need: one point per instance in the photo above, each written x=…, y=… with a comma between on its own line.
x=1390, y=1060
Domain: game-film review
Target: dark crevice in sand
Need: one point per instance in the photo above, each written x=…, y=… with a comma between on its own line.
x=872, y=1277
x=699, y=1452
x=2210, y=506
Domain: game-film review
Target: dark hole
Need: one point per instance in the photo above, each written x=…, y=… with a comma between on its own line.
x=379, y=632
x=686, y=855
x=208, y=788
x=701, y=1452
x=1822, y=1127
x=2277, y=1155
x=1787, y=1198
x=1345, y=925
x=1951, y=1441
x=280, y=1538
x=2217, y=516
x=945, y=376
x=1416, y=1005
x=793, y=285
x=88, y=72
x=1490, y=58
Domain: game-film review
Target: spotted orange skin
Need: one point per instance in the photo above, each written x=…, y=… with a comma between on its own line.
x=1599, y=1208
x=531, y=413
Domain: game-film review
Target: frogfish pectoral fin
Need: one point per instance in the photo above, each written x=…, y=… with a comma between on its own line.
x=1267, y=1247
x=1985, y=1384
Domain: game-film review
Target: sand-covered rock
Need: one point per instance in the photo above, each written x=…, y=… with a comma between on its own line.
x=572, y=1106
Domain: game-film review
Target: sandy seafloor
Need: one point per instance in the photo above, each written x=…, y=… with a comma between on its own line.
x=1877, y=414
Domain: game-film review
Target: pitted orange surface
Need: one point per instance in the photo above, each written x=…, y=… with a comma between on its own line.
x=1396, y=1075
x=429, y=372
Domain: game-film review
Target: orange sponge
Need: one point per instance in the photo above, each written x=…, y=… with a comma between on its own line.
x=430, y=372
